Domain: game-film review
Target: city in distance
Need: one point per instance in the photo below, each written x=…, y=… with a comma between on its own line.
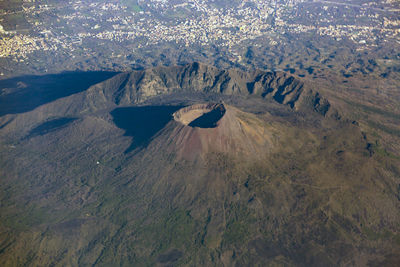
x=199, y=133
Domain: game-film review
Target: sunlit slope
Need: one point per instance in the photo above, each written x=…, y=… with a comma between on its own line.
x=119, y=174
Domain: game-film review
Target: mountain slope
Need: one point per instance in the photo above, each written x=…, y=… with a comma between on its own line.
x=138, y=86
x=191, y=165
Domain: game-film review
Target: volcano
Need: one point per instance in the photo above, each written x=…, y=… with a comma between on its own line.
x=203, y=128
x=192, y=165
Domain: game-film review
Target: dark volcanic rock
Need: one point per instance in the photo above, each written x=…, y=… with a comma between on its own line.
x=138, y=86
x=191, y=165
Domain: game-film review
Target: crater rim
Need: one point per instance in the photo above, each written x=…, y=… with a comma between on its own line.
x=200, y=115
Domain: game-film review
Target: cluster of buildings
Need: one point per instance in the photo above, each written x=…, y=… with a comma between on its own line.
x=196, y=22
x=19, y=46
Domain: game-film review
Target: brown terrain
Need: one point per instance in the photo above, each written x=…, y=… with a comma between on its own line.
x=205, y=128
x=192, y=165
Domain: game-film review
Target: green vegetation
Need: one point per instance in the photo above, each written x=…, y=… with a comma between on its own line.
x=176, y=230
x=389, y=130
x=382, y=234
x=320, y=192
x=14, y=22
x=238, y=227
x=381, y=151
x=132, y=5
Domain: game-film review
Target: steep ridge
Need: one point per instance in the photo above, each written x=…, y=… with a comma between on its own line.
x=112, y=176
x=138, y=86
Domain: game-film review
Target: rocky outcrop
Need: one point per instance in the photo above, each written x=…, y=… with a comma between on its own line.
x=138, y=86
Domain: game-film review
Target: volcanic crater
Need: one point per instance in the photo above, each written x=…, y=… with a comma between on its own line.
x=201, y=115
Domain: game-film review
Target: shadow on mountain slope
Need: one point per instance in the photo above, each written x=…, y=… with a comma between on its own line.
x=50, y=126
x=22, y=94
x=142, y=123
